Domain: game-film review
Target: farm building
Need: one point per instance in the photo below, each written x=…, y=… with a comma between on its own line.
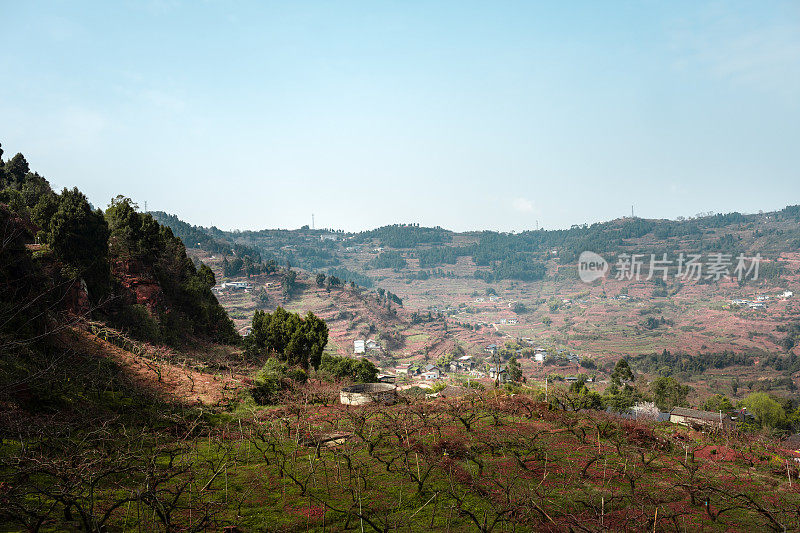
x=463, y=364
x=498, y=373
x=431, y=372
x=695, y=418
x=359, y=346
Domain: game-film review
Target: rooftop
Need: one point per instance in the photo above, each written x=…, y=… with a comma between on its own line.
x=696, y=413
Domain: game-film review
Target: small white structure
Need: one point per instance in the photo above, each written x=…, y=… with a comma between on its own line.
x=372, y=344
x=787, y=294
x=431, y=372
x=237, y=285
x=539, y=357
x=365, y=393
x=358, y=346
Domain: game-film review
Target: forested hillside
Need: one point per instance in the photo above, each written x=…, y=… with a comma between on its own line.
x=502, y=256
x=119, y=266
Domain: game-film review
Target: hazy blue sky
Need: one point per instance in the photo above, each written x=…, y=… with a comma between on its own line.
x=461, y=114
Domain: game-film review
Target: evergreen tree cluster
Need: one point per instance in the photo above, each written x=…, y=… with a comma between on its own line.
x=295, y=340
x=85, y=248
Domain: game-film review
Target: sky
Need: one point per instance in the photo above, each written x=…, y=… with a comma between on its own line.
x=468, y=115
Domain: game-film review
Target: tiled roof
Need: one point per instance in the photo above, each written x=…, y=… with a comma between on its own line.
x=695, y=413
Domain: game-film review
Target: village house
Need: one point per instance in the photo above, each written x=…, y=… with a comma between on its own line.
x=237, y=285
x=539, y=357
x=697, y=419
x=462, y=364
x=498, y=373
x=402, y=368
x=372, y=345
x=430, y=372
x=359, y=347
x=492, y=349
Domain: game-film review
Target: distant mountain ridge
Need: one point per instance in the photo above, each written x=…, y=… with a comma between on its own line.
x=497, y=255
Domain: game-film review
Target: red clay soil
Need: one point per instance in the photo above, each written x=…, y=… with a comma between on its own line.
x=717, y=453
x=175, y=382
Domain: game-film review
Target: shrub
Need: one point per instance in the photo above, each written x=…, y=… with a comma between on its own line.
x=273, y=378
x=358, y=370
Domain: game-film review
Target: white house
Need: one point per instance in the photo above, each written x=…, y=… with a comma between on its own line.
x=237, y=285
x=539, y=357
x=372, y=344
x=431, y=372
x=358, y=346
x=787, y=294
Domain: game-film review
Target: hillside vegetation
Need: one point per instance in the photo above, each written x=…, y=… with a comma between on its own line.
x=129, y=402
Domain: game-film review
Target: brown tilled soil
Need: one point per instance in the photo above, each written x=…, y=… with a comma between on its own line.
x=172, y=381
